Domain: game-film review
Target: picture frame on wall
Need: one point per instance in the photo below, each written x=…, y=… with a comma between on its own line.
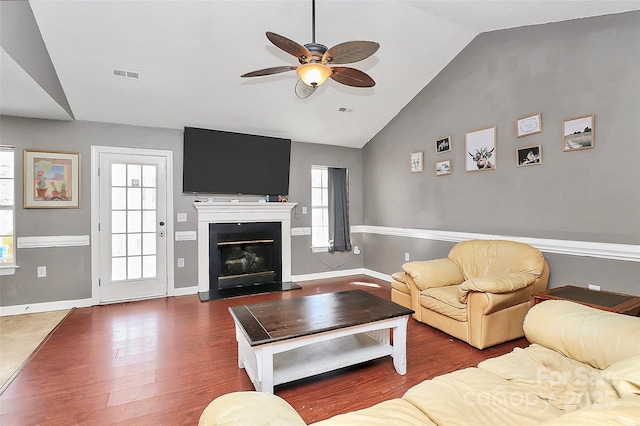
x=578, y=133
x=443, y=168
x=416, y=161
x=443, y=145
x=530, y=125
x=529, y=156
x=51, y=179
x=480, y=148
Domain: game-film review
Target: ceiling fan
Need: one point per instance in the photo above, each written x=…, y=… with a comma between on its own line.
x=316, y=61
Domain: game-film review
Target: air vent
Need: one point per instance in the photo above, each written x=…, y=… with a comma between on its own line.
x=122, y=73
x=345, y=109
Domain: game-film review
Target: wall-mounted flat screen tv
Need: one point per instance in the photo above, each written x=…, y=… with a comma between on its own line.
x=217, y=162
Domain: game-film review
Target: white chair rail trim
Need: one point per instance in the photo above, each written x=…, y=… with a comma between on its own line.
x=625, y=252
x=53, y=241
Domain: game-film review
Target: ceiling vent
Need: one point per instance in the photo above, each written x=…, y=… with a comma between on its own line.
x=345, y=109
x=119, y=72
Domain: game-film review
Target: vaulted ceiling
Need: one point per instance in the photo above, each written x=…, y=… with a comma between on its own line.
x=58, y=59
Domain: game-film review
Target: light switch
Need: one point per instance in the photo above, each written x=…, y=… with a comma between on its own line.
x=181, y=262
x=304, y=210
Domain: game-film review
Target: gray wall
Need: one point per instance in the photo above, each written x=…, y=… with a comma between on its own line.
x=303, y=156
x=69, y=269
x=562, y=70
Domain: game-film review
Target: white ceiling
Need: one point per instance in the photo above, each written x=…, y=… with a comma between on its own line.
x=190, y=55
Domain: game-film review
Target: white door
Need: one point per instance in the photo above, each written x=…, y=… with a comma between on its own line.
x=133, y=226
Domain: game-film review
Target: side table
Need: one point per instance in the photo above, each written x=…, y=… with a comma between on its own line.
x=604, y=300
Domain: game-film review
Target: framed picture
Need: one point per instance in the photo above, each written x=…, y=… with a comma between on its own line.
x=480, y=147
x=443, y=168
x=529, y=156
x=51, y=179
x=416, y=160
x=578, y=133
x=529, y=125
x=443, y=145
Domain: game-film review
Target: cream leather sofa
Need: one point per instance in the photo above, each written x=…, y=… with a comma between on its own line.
x=582, y=368
x=480, y=293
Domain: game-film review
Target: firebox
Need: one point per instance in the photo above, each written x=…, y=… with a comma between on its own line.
x=243, y=255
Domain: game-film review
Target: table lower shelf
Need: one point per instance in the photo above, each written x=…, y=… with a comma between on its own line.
x=318, y=358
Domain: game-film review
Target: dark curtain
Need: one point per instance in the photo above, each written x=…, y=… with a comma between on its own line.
x=339, y=233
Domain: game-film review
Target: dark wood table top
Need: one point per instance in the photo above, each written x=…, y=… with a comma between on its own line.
x=302, y=316
x=605, y=300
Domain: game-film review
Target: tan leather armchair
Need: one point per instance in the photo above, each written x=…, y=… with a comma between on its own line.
x=480, y=293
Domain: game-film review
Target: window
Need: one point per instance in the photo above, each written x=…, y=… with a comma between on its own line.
x=319, y=207
x=7, y=210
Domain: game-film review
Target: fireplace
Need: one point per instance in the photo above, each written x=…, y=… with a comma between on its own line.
x=244, y=255
x=226, y=216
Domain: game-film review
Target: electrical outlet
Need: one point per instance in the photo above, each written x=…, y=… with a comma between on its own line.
x=182, y=217
x=594, y=287
x=356, y=250
x=304, y=210
x=181, y=262
x=42, y=271
x=406, y=257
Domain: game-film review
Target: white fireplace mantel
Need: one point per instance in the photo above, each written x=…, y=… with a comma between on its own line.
x=242, y=212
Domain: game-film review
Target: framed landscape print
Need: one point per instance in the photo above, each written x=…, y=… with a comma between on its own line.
x=480, y=147
x=529, y=125
x=443, y=168
x=578, y=133
x=443, y=145
x=51, y=179
x=416, y=161
x=529, y=156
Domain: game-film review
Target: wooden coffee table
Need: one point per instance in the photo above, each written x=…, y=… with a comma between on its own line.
x=286, y=340
x=604, y=300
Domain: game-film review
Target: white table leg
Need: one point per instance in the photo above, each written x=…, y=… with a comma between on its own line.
x=400, y=346
x=265, y=369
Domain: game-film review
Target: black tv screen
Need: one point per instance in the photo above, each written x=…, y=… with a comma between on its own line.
x=217, y=162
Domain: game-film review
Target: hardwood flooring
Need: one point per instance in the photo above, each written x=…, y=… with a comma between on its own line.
x=162, y=361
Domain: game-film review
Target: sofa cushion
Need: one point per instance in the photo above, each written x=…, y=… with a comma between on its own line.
x=388, y=413
x=249, y=408
x=398, y=283
x=479, y=258
x=624, y=412
x=583, y=333
x=433, y=273
x=444, y=300
x=502, y=283
x=562, y=381
x=478, y=397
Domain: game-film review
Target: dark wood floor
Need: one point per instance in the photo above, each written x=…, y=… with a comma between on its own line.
x=162, y=361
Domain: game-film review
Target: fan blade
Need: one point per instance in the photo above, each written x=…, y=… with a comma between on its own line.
x=351, y=77
x=350, y=51
x=289, y=46
x=269, y=71
x=303, y=90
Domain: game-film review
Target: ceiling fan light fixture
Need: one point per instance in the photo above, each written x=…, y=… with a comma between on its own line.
x=313, y=74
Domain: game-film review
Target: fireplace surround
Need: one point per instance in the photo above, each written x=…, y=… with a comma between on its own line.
x=211, y=214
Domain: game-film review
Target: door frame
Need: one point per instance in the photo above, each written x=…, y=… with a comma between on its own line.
x=96, y=151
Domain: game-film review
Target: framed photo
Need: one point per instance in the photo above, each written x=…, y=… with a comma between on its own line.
x=443, y=168
x=51, y=179
x=443, y=145
x=480, y=147
x=416, y=161
x=578, y=133
x=529, y=125
x=529, y=156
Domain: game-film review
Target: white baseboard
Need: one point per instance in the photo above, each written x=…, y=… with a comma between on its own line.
x=45, y=307
x=184, y=291
x=329, y=274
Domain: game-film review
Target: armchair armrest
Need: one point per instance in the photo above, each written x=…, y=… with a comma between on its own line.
x=433, y=273
x=503, y=283
x=249, y=408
